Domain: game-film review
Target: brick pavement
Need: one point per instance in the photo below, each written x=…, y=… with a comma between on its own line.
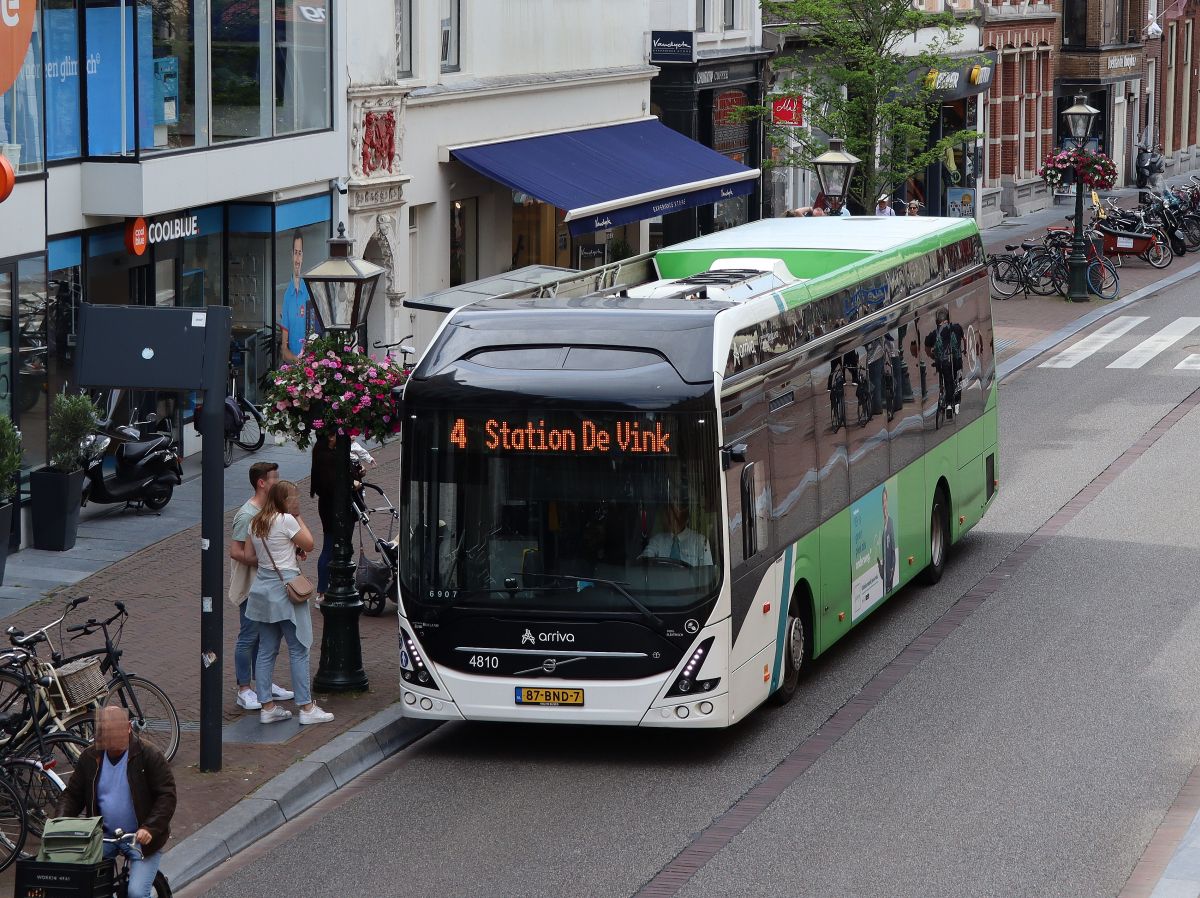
x=159, y=585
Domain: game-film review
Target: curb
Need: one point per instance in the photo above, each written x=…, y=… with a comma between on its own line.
x=1030, y=353
x=292, y=792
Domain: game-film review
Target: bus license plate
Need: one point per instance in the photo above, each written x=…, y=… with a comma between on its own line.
x=536, y=695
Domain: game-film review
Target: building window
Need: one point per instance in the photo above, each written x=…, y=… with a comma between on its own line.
x=449, y=16
x=729, y=15
x=464, y=241
x=60, y=33
x=1187, y=43
x=21, y=96
x=1171, y=45
x=701, y=15
x=1114, y=22
x=301, y=67
x=404, y=33
x=1075, y=23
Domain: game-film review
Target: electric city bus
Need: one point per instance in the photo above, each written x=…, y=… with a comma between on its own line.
x=654, y=499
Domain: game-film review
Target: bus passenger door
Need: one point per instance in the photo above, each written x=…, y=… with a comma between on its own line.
x=755, y=567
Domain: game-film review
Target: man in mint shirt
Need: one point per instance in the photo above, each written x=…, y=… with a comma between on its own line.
x=243, y=569
x=296, y=317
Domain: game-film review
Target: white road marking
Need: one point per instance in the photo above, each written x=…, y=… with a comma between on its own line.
x=1152, y=346
x=1094, y=342
x=1191, y=363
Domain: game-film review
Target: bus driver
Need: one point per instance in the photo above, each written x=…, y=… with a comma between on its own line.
x=679, y=542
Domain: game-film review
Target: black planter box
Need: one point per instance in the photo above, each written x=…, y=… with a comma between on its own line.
x=56, y=500
x=38, y=879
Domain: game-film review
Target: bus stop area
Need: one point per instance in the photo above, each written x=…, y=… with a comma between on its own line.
x=221, y=813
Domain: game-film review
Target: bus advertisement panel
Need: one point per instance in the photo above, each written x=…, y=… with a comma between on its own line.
x=875, y=556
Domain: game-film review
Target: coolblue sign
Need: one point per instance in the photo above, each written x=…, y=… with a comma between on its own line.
x=672, y=46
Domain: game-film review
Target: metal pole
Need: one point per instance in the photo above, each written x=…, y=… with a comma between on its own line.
x=341, y=667
x=1078, y=262
x=212, y=543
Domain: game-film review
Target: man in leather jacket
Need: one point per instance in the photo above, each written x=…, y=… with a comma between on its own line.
x=129, y=783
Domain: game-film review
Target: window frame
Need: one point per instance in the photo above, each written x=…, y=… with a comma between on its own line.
x=729, y=15
x=404, y=39
x=455, y=41
x=702, y=15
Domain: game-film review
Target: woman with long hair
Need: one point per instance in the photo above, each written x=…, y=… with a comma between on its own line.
x=277, y=533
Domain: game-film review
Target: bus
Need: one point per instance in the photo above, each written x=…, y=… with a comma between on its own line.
x=654, y=494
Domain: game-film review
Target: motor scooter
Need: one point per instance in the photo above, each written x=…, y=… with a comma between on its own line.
x=1149, y=165
x=147, y=471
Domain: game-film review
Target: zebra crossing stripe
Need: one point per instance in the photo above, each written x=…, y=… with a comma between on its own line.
x=1152, y=346
x=1094, y=342
x=1191, y=363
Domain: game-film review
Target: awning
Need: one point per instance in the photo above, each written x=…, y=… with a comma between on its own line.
x=610, y=176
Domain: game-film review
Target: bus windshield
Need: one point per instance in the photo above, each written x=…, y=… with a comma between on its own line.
x=571, y=511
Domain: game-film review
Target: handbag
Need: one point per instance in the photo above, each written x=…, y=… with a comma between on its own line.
x=299, y=589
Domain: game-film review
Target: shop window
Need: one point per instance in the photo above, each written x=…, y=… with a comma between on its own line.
x=241, y=69
x=464, y=241
x=203, y=265
x=172, y=82
x=60, y=20
x=118, y=119
x=451, y=29
x=301, y=66
x=65, y=293
x=7, y=279
x=21, y=97
x=1074, y=29
x=404, y=36
x=301, y=242
x=28, y=385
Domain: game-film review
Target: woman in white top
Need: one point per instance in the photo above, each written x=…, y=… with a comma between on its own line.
x=276, y=533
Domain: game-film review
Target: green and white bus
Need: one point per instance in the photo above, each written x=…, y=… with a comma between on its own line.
x=650, y=494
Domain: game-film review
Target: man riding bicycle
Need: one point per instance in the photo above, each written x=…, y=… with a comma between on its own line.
x=129, y=783
x=945, y=347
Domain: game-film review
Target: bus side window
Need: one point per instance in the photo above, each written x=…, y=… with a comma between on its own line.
x=905, y=441
x=794, y=455
x=832, y=396
x=749, y=497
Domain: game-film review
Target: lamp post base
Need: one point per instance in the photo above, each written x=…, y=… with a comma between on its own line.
x=341, y=667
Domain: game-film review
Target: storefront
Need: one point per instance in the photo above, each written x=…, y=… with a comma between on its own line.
x=1111, y=81
x=699, y=95
x=243, y=255
x=950, y=186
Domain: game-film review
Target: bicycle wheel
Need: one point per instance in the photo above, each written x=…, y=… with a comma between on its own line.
x=162, y=888
x=228, y=452
x=251, y=437
x=58, y=751
x=155, y=719
x=40, y=790
x=13, y=828
x=1005, y=277
x=1159, y=255
x=1190, y=225
x=1039, y=265
x=1102, y=279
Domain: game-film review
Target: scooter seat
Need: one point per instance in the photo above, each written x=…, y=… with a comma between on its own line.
x=135, y=452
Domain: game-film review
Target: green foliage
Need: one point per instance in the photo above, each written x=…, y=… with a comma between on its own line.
x=72, y=417
x=860, y=82
x=10, y=458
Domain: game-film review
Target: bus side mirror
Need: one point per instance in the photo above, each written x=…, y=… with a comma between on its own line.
x=397, y=406
x=735, y=454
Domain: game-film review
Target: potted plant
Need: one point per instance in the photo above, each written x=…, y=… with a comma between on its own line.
x=10, y=467
x=57, y=489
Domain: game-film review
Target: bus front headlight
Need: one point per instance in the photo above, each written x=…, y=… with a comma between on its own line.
x=687, y=683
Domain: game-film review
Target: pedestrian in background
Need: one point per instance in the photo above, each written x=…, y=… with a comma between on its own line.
x=321, y=486
x=883, y=206
x=242, y=570
x=277, y=534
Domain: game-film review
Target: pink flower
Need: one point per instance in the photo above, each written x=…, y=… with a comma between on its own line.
x=336, y=405
x=308, y=372
x=281, y=404
x=347, y=396
x=296, y=402
x=354, y=431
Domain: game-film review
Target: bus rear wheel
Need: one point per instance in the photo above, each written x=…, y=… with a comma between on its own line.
x=939, y=537
x=797, y=654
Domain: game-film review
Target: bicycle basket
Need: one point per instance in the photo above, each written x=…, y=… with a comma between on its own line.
x=81, y=681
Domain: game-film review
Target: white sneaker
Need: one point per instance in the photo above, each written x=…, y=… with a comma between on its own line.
x=274, y=715
x=280, y=693
x=316, y=715
x=247, y=699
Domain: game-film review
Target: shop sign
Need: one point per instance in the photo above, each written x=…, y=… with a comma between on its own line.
x=16, y=31
x=1127, y=61
x=672, y=46
x=787, y=111
x=139, y=234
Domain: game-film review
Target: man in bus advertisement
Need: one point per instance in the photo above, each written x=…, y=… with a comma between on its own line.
x=875, y=554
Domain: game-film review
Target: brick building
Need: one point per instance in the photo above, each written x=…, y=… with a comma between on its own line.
x=1019, y=125
x=1173, y=72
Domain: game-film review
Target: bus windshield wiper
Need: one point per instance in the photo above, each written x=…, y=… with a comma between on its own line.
x=617, y=587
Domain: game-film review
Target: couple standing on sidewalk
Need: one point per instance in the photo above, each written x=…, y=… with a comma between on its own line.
x=269, y=540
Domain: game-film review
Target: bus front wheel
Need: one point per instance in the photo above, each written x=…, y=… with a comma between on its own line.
x=939, y=537
x=797, y=651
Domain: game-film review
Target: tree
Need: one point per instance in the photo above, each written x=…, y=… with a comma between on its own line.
x=860, y=82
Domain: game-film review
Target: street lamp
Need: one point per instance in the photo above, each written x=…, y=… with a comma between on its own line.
x=835, y=168
x=342, y=288
x=1079, y=118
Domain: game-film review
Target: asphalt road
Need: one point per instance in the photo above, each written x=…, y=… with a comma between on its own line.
x=1034, y=752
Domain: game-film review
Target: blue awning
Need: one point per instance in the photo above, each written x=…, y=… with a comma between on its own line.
x=609, y=176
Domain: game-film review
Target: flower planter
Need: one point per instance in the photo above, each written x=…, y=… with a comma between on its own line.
x=56, y=497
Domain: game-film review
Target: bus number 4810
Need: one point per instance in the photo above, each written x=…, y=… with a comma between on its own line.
x=485, y=662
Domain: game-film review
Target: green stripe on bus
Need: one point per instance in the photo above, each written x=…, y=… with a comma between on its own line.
x=785, y=595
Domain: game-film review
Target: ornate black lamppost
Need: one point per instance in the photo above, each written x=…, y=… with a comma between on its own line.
x=1079, y=120
x=342, y=288
x=835, y=168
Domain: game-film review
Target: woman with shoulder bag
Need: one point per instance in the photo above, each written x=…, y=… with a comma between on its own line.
x=278, y=600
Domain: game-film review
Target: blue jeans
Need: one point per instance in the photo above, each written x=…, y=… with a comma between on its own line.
x=141, y=869
x=246, y=647
x=323, y=564
x=269, y=637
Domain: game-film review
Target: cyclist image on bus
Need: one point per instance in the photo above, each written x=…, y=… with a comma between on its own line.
x=945, y=347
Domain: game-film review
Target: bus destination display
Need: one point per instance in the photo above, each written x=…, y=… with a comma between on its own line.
x=582, y=436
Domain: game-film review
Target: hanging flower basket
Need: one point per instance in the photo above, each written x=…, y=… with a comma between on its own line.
x=1096, y=170
x=332, y=389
